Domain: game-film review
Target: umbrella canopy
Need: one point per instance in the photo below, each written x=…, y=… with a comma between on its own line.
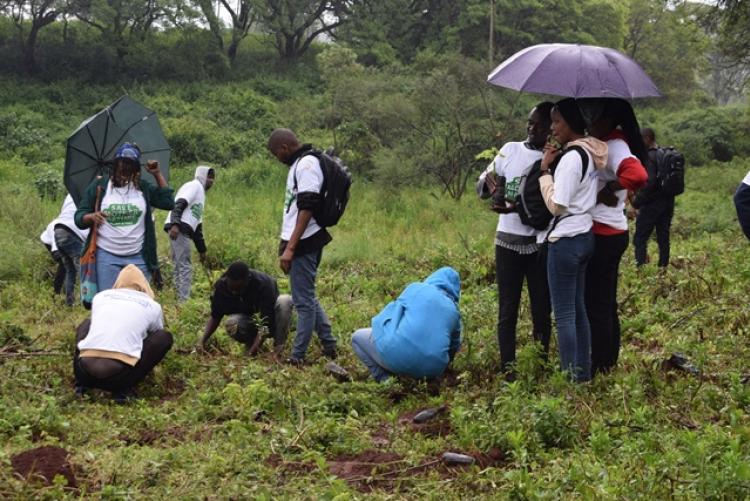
x=91, y=148
x=577, y=71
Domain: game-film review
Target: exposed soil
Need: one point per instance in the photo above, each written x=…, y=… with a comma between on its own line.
x=438, y=426
x=368, y=470
x=286, y=469
x=43, y=464
x=173, y=388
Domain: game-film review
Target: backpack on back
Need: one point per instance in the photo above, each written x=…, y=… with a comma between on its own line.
x=670, y=171
x=529, y=203
x=334, y=194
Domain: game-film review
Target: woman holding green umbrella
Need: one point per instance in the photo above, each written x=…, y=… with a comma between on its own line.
x=118, y=207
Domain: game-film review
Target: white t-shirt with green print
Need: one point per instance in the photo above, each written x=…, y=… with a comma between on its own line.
x=513, y=162
x=194, y=194
x=124, y=231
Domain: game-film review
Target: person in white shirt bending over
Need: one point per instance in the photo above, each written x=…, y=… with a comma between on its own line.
x=124, y=339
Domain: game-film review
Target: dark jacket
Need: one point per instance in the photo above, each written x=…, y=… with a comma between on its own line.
x=650, y=193
x=161, y=198
x=258, y=297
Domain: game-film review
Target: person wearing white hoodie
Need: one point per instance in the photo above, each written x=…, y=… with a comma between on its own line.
x=185, y=223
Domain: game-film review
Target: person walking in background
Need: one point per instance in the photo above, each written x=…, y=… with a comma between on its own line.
x=742, y=205
x=416, y=335
x=124, y=339
x=570, y=195
x=302, y=240
x=655, y=208
x=244, y=294
x=48, y=240
x=123, y=222
x=185, y=223
x=69, y=240
x=612, y=121
x=518, y=256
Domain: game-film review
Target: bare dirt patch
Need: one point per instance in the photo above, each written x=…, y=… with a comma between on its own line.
x=42, y=464
x=150, y=437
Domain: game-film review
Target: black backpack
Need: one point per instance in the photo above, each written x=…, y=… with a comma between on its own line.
x=334, y=194
x=670, y=171
x=529, y=203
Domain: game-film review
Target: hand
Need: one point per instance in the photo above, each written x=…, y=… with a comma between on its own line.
x=631, y=212
x=174, y=231
x=607, y=197
x=95, y=218
x=285, y=261
x=549, y=156
x=491, y=182
x=152, y=166
x=200, y=347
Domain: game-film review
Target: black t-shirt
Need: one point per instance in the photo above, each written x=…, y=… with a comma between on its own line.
x=258, y=297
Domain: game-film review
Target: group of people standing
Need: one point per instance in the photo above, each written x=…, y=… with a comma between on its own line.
x=589, y=153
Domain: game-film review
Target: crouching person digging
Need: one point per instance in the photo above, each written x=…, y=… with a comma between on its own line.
x=124, y=339
x=250, y=299
x=416, y=335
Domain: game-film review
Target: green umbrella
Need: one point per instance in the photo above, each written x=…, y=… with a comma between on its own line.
x=91, y=148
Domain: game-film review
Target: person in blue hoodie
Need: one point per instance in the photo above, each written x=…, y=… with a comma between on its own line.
x=416, y=335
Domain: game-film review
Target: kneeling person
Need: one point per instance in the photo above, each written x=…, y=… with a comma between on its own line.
x=124, y=339
x=416, y=335
x=242, y=294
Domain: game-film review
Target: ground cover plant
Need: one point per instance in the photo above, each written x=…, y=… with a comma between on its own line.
x=222, y=425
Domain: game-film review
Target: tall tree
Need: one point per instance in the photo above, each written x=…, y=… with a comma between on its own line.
x=29, y=17
x=243, y=18
x=734, y=16
x=296, y=23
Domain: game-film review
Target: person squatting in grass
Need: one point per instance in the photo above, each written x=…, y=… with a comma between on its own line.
x=518, y=255
x=185, y=223
x=570, y=195
x=123, y=340
x=123, y=222
x=69, y=244
x=416, y=335
x=243, y=294
x=612, y=121
x=302, y=241
x=655, y=208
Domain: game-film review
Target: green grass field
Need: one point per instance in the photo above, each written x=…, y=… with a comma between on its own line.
x=222, y=426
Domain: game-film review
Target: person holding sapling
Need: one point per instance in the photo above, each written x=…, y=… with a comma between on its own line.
x=185, y=223
x=122, y=220
x=518, y=256
x=255, y=309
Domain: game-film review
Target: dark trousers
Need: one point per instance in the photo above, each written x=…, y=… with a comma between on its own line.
x=510, y=270
x=601, y=300
x=59, y=279
x=657, y=214
x=113, y=375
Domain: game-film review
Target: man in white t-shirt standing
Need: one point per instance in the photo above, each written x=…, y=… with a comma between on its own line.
x=185, y=223
x=302, y=240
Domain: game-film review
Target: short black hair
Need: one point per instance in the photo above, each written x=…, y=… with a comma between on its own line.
x=544, y=109
x=649, y=133
x=238, y=271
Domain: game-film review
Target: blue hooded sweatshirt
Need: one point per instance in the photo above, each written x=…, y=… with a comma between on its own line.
x=419, y=332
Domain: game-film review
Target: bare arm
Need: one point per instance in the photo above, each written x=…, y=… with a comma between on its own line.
x=211, y=325
x=303, y=219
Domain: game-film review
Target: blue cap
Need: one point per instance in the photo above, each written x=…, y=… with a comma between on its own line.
x=129, y=151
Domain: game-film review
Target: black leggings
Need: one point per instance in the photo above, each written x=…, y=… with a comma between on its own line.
x=510, y=269
x=601, y=300
x=113, y=375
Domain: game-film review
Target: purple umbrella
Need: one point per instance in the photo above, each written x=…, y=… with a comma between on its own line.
x=570, y=70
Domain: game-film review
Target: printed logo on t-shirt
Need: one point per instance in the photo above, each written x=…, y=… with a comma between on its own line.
x=511, y=188
x=288, y=199
x=197, y=210
x=123, y=214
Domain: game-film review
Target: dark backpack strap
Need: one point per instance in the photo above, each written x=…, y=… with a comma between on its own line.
x=584, y=158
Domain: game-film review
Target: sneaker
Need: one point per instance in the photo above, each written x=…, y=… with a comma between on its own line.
x=338, y=372
x=296, y=362
x=123, y=397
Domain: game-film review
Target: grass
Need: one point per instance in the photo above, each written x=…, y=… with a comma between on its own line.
x=225, y=426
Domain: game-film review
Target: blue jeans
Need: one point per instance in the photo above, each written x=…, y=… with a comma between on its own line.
x=566, y=271
x=363, y=345
x=69, y=245
x=310, y=315
x=109, y=265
